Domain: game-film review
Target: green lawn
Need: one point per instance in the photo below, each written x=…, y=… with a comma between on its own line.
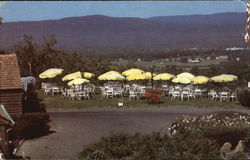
x=60, y=102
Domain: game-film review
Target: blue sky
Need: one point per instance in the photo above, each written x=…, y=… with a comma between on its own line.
x=32, y=11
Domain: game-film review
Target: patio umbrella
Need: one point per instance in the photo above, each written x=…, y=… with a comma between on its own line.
x=111, y=72
x=148, y=75
x=182, y=80
x=51, y=73
x=88, y=75
x=136, y=77
x=72, y=76
x=113, y=77
x=132, y=71
x=78, y=81
x=200, y=80
x=163, y=76
x=189, y=76
x=224, y=78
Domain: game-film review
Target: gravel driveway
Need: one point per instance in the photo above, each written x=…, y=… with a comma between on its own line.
x=75, y=129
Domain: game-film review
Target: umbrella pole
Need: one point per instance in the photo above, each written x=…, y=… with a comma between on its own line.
x=152, y=73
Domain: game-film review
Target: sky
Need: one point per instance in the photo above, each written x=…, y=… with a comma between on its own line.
x=41, y=10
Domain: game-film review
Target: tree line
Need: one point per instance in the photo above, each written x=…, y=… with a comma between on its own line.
x=34, y=58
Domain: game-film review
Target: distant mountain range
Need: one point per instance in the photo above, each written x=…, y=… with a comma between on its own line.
x=193, y=31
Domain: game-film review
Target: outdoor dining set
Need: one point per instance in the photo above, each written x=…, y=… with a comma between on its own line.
x=135, y=91
x=77, y=92
x=184, y=86
x=190, y=92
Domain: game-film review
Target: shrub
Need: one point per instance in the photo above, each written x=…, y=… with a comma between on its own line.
x=31, y=103
x=153, y=95
x=155, y=146
x=191, y=138
x=244, y=98
x=31, y=125
x=219, y=126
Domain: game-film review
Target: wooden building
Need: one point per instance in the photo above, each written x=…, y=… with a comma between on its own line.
x=6, y=124
x=10, y=85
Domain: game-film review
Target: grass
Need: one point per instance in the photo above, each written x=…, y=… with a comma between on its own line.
x=60, y=102
x=187, y=66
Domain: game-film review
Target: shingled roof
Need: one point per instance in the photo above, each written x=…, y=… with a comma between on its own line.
x=9, y=72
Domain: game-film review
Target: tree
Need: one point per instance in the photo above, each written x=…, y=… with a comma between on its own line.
x=26, y=51
x=195, y=71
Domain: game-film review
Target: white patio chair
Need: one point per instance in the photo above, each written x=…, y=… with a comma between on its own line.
x=55, y=90
x=171, y=90
x=83, y=94
x=185, y=94
x=118, y=92
x=210, y=93
x=197, y=92
x=215, y=95
x=175, y=94
x=191, y=95
x=132, y=94
x=72, y=95
x=43, y=85
x=224, y=96
x=64, y=92
x=110, y=93
x=233, y=96
x=47, y=91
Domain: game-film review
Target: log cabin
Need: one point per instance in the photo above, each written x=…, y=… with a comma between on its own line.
x=10, y=85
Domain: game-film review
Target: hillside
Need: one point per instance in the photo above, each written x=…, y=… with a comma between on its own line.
x=207, y=31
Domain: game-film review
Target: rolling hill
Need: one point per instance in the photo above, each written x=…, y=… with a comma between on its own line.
x=206, y=31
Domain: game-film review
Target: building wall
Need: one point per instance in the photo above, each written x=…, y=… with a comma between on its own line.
x=3, y=138
x=12, y=100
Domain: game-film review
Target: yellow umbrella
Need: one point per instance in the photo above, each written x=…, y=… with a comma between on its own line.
x=88, y=75
x=136, y=77
x=224, y=78
x=111, y=72
x=187, y=75
x=132, y=72
x=102, y=77
x=182, y=80
x=78, y=81
x=200, y=80
x=72, y=76
x=148, y=75
x=111, y=77
x=163, y=76
x=51, y=73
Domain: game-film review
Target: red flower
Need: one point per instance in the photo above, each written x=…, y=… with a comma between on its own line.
x=153, y=95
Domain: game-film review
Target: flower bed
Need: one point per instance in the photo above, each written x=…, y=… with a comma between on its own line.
x=153, y=95
x=220, y=126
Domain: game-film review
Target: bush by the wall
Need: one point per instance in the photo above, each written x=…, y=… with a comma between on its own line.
x=31, y=125
x=244, y=97
x=31, y=103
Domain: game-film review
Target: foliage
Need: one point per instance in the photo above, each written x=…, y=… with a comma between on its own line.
x=155, y=146
x=31, y=125
x=31, y=103
x=153, y=95
x=219, y=126
x=244, y=97
x=191, y=138
x=45, y=55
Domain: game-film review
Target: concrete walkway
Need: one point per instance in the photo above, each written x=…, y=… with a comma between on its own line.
x=75, y=129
